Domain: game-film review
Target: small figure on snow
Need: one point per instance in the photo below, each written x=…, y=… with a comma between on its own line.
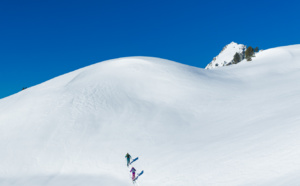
x=128, y=157
x=133, y=173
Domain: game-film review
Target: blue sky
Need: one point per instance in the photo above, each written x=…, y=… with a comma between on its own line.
x=42, y=39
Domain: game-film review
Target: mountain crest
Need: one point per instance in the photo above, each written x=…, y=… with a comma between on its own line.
x=226, y=56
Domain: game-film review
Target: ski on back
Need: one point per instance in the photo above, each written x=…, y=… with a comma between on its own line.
x=134, y=160
x=138, y=176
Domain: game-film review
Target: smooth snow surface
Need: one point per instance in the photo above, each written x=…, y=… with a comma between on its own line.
x=237, y=125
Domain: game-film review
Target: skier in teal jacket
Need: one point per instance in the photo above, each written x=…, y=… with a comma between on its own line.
x=128, y=157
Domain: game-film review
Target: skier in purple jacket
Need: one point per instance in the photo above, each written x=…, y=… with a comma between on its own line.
x=133, y=173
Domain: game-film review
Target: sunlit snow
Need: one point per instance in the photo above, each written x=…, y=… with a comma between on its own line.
x=235, y=125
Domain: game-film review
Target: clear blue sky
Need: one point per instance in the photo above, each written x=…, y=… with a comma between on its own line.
x=42, y=39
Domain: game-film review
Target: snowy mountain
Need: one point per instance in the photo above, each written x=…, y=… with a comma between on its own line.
x=188, y=126
x=226, y=55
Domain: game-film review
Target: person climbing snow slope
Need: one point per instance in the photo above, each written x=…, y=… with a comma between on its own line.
x=133, y=173
x=128, y=157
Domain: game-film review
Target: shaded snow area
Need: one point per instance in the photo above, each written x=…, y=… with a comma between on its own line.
x=238, y=125
x=226, y=55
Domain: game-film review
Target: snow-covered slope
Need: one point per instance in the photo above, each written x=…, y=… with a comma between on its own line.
x=227, y=126
x=226, y=55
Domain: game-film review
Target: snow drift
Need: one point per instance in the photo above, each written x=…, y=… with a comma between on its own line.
x=238, y=125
